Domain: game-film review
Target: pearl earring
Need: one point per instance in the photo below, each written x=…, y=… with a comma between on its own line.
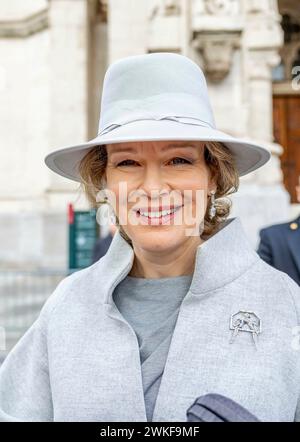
x=212, y=209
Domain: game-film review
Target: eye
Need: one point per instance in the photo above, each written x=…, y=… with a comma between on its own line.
x=122, y=163
x=178, y=160
x=181, y=160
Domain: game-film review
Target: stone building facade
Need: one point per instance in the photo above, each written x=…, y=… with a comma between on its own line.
x=53, y=59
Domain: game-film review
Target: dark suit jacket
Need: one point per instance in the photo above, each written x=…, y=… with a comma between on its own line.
x=101, y=247
x=280, y=247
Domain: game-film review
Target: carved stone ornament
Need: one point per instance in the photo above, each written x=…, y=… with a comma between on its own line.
x=217, y=52
x=25, y=26
x=223, y=7
x=101, y=11
x=163, y=8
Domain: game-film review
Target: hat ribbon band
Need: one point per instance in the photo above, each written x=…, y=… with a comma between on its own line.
x=178, y=119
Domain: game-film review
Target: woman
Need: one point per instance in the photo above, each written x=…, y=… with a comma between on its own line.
x=180, y=305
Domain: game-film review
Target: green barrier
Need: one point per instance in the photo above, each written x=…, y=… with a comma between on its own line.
x=83, y=234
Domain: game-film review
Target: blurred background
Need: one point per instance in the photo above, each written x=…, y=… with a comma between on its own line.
x=53, y=57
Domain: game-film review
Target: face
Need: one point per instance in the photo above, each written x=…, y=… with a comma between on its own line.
x=160, y=191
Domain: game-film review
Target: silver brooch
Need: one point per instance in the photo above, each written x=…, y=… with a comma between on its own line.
x=245, y=321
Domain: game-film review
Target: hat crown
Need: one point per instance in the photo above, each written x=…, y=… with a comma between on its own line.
x=154, y=86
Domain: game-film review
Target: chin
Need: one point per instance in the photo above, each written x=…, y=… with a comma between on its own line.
x=158, y=239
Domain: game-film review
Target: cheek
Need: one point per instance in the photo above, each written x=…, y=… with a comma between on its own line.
x=196, y=176
x=194, y=189
x=195, y=200
x=119, y=192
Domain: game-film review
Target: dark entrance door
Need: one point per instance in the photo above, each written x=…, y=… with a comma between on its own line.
x=286, y=116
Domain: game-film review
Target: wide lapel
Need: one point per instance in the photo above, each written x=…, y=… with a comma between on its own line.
x=292, y=235
x=110, y=270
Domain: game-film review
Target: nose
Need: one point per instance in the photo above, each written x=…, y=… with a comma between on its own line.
x=153, y=181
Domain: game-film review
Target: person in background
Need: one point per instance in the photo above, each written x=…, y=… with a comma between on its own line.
x=102, y=244
x=280, y=245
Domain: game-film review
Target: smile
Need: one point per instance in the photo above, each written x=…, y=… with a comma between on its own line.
x=159, y=217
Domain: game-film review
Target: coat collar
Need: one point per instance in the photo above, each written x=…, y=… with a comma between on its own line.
x=219, y=260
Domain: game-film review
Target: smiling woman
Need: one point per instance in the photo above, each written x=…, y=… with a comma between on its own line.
x=180, y=300
x=117, y=161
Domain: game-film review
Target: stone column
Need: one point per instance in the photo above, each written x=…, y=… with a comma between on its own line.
x=69, y=40
x=263, y=38
x=24, y=123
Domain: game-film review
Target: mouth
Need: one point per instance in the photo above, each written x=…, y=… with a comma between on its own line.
x=156, y=217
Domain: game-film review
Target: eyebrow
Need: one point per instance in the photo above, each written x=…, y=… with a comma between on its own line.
x=168, y=147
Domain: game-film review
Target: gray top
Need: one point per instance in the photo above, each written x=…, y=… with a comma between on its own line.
x=151, y=307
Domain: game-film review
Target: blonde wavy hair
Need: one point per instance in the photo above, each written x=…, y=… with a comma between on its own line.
x=218, y=158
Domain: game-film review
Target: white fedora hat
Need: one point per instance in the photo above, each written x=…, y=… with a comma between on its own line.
x=157, y=96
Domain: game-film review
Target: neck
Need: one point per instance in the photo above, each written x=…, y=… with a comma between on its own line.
x=165, y=264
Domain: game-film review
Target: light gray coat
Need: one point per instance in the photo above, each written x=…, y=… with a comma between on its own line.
x=80, y=360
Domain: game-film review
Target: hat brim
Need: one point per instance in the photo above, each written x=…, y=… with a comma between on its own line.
x=249, y=156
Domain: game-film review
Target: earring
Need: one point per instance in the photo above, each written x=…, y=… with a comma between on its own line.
x=113, y=218
x=105, y=214
x=212, y=209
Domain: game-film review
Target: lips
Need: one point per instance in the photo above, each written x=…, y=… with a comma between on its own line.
x=157, y=209
x=153, y=219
